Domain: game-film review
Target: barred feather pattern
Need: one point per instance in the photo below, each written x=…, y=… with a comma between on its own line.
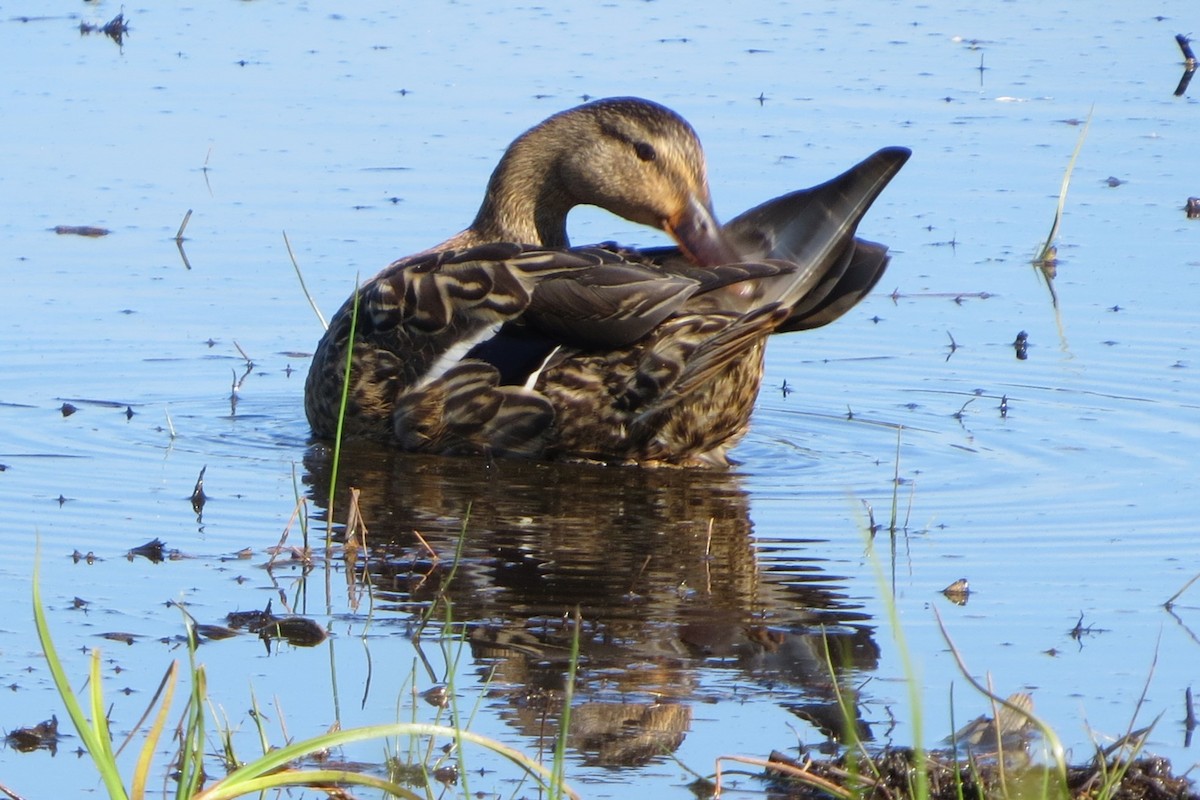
x=681, y=398
x=414, y=313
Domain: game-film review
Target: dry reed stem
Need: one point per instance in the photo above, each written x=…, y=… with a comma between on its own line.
x=1171, y=602
x=183, y=225
x=800, y=774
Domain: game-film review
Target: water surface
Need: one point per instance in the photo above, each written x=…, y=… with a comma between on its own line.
x=1062, y=486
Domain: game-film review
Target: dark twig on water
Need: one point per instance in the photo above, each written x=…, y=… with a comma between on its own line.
x=154, y=551
x=953, y=346
x=872, y=526
x=115, y=29
x=199, y=498
x=1189, y=716
x=1185, y=45
x=248, y=360
x=1021, y=346
x=1189, y=64
x=182, y=225
x=1171, y=600
x=1080, y=630
x=239, y=380
x=179, y=239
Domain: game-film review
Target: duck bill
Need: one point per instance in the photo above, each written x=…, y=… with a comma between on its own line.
x=700, y=237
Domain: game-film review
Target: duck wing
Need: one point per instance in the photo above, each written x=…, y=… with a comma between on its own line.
x=814, y=230
x=415, y=320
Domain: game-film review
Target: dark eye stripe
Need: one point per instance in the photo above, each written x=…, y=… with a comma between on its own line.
x=645, y=151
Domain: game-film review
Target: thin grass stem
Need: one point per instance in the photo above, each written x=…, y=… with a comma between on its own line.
x=1049, y=250
x=558, y=772
x=303, y=287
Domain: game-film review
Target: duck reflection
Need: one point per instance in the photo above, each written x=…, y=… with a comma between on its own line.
x=662, y=564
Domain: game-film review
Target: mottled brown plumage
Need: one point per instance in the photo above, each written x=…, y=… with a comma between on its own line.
x=505, y=340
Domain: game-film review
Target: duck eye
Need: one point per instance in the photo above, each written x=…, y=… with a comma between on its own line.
x=645, y=151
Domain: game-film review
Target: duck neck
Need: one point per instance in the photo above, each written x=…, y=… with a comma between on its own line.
x=526, y=200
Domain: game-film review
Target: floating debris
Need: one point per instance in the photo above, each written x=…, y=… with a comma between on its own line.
x=153, y=551
x=119, y=636
x=1189, y=63
x=251, y=620
x=436, y=696
x=297, y=631
x=67, y=409
x=1192, y=207
x=958, y=592
x=1021, y=345
x=89, y=557
x=1080, y=630
x=214, y=632
x=199, y=498
x=115, y=29
x=1185, y=46
x=81, y=230
x=953, y=346
x=1189, y=719
x=447, y=775
x=890, y=774
x=43, y=736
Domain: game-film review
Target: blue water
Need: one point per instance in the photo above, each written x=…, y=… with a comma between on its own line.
x=369, y=133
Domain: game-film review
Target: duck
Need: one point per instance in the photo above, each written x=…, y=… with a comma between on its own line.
x=506, y=340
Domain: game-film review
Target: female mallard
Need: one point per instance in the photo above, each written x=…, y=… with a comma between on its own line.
x=507, y=341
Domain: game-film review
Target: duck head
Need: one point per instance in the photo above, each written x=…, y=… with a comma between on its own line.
x=629, y=156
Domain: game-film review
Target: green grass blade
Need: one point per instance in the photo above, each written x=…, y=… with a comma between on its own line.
x=235, y=783
x=141, y=771
x=101, y=753
x=318, y=777
x=337, y=441
x=191, y=744
x=559, y=769
x=99, y=716
x=1048, y=249
x=920, y=776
